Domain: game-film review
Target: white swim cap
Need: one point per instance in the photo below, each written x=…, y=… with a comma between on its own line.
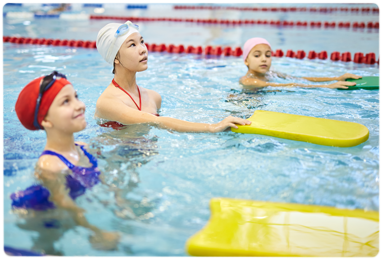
x=111, y=37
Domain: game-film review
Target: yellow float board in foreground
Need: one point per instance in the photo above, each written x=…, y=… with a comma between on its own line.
x=319, y=131
x=255, y=228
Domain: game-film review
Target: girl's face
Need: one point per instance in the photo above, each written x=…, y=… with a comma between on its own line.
x=66, y=112
x=259, y=59
x=132, y=55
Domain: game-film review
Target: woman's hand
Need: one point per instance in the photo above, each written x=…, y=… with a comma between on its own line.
x=228, y=122
x=340, y=84
x=102, y=240
x=348, y=75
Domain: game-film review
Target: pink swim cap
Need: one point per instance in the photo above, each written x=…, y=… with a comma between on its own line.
x=249, y=44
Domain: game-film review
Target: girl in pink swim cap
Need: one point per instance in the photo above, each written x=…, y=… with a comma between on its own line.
x=257, y=55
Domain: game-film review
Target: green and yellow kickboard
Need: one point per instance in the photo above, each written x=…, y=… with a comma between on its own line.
x=319, y=131
x=256, y=228
x=366, y=82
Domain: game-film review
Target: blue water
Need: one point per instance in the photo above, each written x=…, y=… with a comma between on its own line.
x=165, y=179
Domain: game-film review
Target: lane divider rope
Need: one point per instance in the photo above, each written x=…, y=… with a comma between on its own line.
x=280, y=9
x=313, y=24
x=318, y=24
x=217, y=51
x=353, y=10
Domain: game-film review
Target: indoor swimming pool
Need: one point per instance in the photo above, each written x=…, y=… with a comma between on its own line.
x=163, y=180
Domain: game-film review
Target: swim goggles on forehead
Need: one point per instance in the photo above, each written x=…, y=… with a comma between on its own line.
x=124, y=28
x=46, y=83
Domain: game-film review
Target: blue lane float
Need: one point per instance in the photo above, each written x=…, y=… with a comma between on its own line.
x=93, y=5
x=13, y=4
x=130, y=6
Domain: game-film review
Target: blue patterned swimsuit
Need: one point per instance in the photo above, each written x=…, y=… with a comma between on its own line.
x=37, y=196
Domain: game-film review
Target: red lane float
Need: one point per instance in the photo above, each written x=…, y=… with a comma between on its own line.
x=359, y=57
x=323, y=55
x=300, y=54
x=369, y=59
x=346, y=57
x=289, y=54
x=312, y=54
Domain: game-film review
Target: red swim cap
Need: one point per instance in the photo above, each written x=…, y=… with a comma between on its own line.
x=26, y=102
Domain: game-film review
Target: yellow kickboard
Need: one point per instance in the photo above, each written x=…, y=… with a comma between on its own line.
x=255, y=228
x=304, y=128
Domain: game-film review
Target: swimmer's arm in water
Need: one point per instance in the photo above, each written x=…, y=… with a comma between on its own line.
x=54, y=180
x=336, y=78
x=253, y=83
x=279, y=74
x=126, y=115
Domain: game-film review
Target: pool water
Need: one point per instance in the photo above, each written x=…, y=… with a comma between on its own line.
x=163, y=180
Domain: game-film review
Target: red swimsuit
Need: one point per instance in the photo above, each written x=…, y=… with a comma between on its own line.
x=117, y=125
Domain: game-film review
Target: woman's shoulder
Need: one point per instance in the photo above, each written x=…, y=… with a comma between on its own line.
x=109, y=94
x=154, y=95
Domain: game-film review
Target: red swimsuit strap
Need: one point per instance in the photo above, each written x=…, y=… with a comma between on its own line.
x=140, y=101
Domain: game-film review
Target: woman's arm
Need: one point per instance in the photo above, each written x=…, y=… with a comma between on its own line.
x=253, y=83
x=336, y=78
x=122, y=113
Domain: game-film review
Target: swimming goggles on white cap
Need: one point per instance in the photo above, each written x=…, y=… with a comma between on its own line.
x=124, y=28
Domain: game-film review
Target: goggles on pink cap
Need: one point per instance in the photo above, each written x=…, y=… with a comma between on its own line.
x=249, y=44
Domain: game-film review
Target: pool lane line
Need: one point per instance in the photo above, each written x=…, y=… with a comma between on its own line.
x=359, y=57
x=301, y=24
x=353, y=10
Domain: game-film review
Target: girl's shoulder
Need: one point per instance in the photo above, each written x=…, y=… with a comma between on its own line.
x=80, y=143
x=250, y=80
x=50, y=163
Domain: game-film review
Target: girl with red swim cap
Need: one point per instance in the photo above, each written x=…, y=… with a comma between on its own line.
x=257, y=57
x=124, y=102
x=65, y=168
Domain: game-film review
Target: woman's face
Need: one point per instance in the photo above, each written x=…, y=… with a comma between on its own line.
x=132, y=54
x=66, y=113
x=259, y=59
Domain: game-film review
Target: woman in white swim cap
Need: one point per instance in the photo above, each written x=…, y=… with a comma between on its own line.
x=124, y=102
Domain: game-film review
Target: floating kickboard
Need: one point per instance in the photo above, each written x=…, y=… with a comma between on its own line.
x=304, y=128
x=256, y=228
x=366, y=82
